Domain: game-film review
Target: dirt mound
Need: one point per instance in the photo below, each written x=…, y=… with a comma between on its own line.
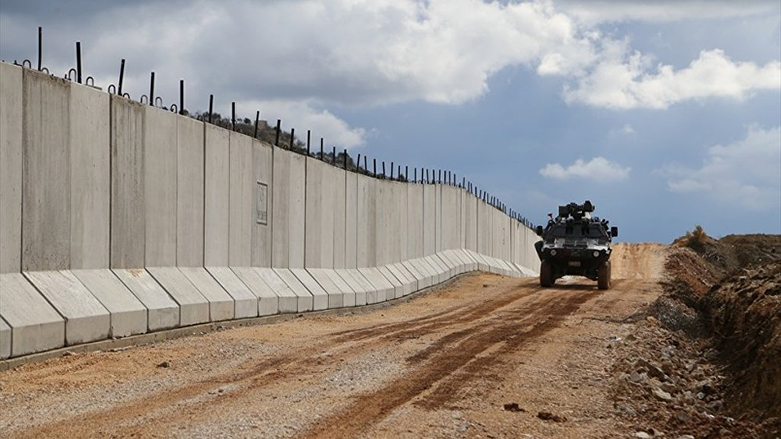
x=729, y=292
x=637, y=261
x=745, y=313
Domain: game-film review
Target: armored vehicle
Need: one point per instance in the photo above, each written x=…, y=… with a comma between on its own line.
x=575, y=243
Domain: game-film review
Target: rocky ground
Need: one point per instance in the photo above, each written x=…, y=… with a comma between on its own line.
x=705, y=358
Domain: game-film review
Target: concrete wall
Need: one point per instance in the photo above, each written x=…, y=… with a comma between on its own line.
x=135, y=198
x=216, y=196
x=128, y=205
x=45, y=172
x=11, y=116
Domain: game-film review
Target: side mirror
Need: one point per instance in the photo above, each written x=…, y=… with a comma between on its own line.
x=614, y=231
x=539, y=230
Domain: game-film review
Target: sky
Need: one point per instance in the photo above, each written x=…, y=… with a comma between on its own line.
x=665, y=114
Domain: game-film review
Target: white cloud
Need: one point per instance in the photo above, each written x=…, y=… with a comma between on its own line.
x=350, y=53
x=746, y=173
x=598, y=168
x=319, y=121
x=621, y=81
x=601, y=11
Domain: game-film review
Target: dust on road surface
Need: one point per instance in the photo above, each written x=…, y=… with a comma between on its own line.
x=442, y=365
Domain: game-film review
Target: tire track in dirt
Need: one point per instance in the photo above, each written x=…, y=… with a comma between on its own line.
x=456, y=363
x=154, y=410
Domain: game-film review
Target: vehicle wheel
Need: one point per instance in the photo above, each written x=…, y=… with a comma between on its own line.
x=603, y=276
x=546, y=274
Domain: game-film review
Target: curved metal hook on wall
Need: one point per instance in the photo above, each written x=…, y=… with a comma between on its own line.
x=144, y=99
x=68, y=77
x=45, y=70
x=174, y=108
x=158, y=102
x=90, y=81
x=126, y=95
x=112, y=89
x=27, y=63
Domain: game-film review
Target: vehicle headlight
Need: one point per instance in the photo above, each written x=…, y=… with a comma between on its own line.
x=553, y=252
x=596, y=254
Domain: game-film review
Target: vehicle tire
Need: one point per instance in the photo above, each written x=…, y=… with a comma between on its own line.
x=546, y=274
x=603, y=276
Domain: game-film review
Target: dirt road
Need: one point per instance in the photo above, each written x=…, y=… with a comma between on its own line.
x=441, y=365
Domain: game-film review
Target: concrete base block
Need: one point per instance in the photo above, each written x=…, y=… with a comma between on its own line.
x=319, y=275
x=365, y=284
x=405, y=277
x=471, y=263
x=463, y=263
x=526, y=272
x=423, y=277
x=221, y=305
x=305, y=298
x=35, y=325
x=245, y=303
x=319, y=295
x=162, y=311
x=359, y=287
x=193, y=307
x=5, y=340
x=288, y=299
x=383, y=287
x=482, y=264
x=128, y=314
x=268, y=302
x=440, y=274
x=398, y=287
x=453, y=265
x=86, y=319
x=446, y=264
x=347, y=291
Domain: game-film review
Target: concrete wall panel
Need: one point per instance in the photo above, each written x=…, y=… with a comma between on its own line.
x=297, y=210
x=46, y=173
x=366, y=220
x=289, y=209
x=451, y=217
x=429, y=219
x=216, y=196
x=351, y=221
x=189, y=192
x=337, y=177
x=127, y=184
x=414, y=221
x=241, y=190
x=90, y=172
x=160, y=186
x=321, y=187
x=11, y=115
x=262, y=203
